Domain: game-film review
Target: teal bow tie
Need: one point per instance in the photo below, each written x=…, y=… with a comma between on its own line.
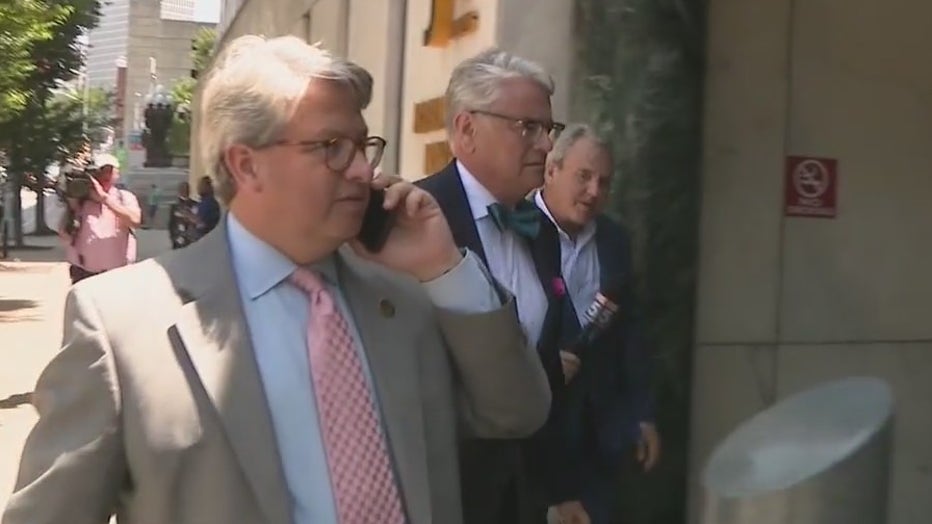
x=523, y=220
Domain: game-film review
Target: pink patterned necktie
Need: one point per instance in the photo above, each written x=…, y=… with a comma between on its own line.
x=361, y=476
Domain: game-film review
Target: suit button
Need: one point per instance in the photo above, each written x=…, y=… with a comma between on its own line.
x=387, y=308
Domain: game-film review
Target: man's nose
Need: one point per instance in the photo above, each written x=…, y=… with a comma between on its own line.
x=544, y=143
x=360, y=170
x=593, y=189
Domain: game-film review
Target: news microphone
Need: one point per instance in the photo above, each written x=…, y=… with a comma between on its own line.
x=598, y=317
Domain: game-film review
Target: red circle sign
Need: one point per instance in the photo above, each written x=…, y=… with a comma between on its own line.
x=811, y=178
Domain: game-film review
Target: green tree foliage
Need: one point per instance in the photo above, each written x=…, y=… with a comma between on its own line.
x=73, y=121
x=31, y=136
x=61, y=57
x=182, y=91
x=201, y=51
x=23, y=25
x=179, y=136
x=58, y=132
x=78, y=118
x=203, y=48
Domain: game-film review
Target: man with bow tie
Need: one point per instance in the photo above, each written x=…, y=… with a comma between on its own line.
x=500, y=129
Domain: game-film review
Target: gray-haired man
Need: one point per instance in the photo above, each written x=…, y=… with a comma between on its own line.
x=280, y=372
x=501, y=128
x=609, y=407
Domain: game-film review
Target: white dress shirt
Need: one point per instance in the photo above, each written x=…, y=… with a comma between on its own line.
x=579, y=262
x=509, y=258
x=277, y=316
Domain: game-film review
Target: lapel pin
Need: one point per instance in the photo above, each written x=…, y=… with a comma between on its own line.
x=387, y=308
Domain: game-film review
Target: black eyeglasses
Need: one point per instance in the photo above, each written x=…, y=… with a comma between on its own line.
x=340, y=151
x=531, y=130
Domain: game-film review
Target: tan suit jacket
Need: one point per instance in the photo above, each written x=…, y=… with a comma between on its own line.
x=154, y=409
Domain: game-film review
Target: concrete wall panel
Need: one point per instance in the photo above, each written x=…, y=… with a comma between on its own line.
x=744, y=131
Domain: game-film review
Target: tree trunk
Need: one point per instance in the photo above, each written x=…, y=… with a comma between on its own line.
x=42, y=227
x=18, y=213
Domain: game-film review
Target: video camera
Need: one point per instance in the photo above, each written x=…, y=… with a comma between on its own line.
x=75, y=184
x=77, y=181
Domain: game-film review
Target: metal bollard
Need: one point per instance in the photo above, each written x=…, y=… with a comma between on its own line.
x=819, y=457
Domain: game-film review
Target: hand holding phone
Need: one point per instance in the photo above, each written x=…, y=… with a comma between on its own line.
x=410, y=236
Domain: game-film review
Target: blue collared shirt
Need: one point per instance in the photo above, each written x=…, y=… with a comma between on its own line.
x=277, y=315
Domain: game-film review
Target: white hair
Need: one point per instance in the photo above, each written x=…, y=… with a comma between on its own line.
x=252, y=90
x=572, y=134
x=475, y=82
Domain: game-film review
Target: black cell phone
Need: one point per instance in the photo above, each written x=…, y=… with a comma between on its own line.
x=377, y=223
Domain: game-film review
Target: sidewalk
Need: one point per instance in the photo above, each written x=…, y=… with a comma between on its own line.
x=33, y=284
x=31, y=302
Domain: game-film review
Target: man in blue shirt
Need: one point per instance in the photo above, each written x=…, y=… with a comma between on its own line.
x=202, y=386
x=610, y=407
x=208, y=209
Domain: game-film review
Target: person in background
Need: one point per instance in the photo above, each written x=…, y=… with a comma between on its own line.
x=609, y=388
x=98, y=232
x=501, y=128
x=181, y=229
x=207, y=214
x=155, y=195
x=121, y=154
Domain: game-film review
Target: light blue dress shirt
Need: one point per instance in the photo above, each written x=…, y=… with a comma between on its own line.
x=277, y=315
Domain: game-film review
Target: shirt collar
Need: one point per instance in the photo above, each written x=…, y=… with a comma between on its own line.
x=478, y=196
x=259, y=266
x=584, y=236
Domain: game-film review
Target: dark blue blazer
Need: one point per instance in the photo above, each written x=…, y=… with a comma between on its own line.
x=538, y=459
x=611, y=395
x=447, y=188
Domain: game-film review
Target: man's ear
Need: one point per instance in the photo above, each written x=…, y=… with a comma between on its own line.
x=464, y=129
x=240, y=161
x=550, y=171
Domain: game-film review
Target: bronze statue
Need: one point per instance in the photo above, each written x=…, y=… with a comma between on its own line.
x=158, y=119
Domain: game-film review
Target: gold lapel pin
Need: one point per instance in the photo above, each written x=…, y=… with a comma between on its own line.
x=387, y=308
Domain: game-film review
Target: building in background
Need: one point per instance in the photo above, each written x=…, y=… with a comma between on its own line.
x=107, y=43
x=387, y=37
x=783, y=301
x=110, y=40
x=181, y=10
x=228, y=10
x=139, y=47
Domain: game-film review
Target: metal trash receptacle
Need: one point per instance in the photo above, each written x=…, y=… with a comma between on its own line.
x=818, y=457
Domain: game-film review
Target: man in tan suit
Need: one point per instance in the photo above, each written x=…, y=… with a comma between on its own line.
x=200, y=387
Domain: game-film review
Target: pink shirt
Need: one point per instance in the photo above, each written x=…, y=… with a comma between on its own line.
x=104, y=242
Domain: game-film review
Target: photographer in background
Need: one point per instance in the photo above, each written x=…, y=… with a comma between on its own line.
x=98, y=229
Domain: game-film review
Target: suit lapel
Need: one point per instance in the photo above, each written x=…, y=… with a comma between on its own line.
x=545, y=250
x=447, y=188
x=212, y=328
x=395, y=375
x=611, y=260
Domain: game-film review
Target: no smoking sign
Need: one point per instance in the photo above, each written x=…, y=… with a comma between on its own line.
x=811, y=186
